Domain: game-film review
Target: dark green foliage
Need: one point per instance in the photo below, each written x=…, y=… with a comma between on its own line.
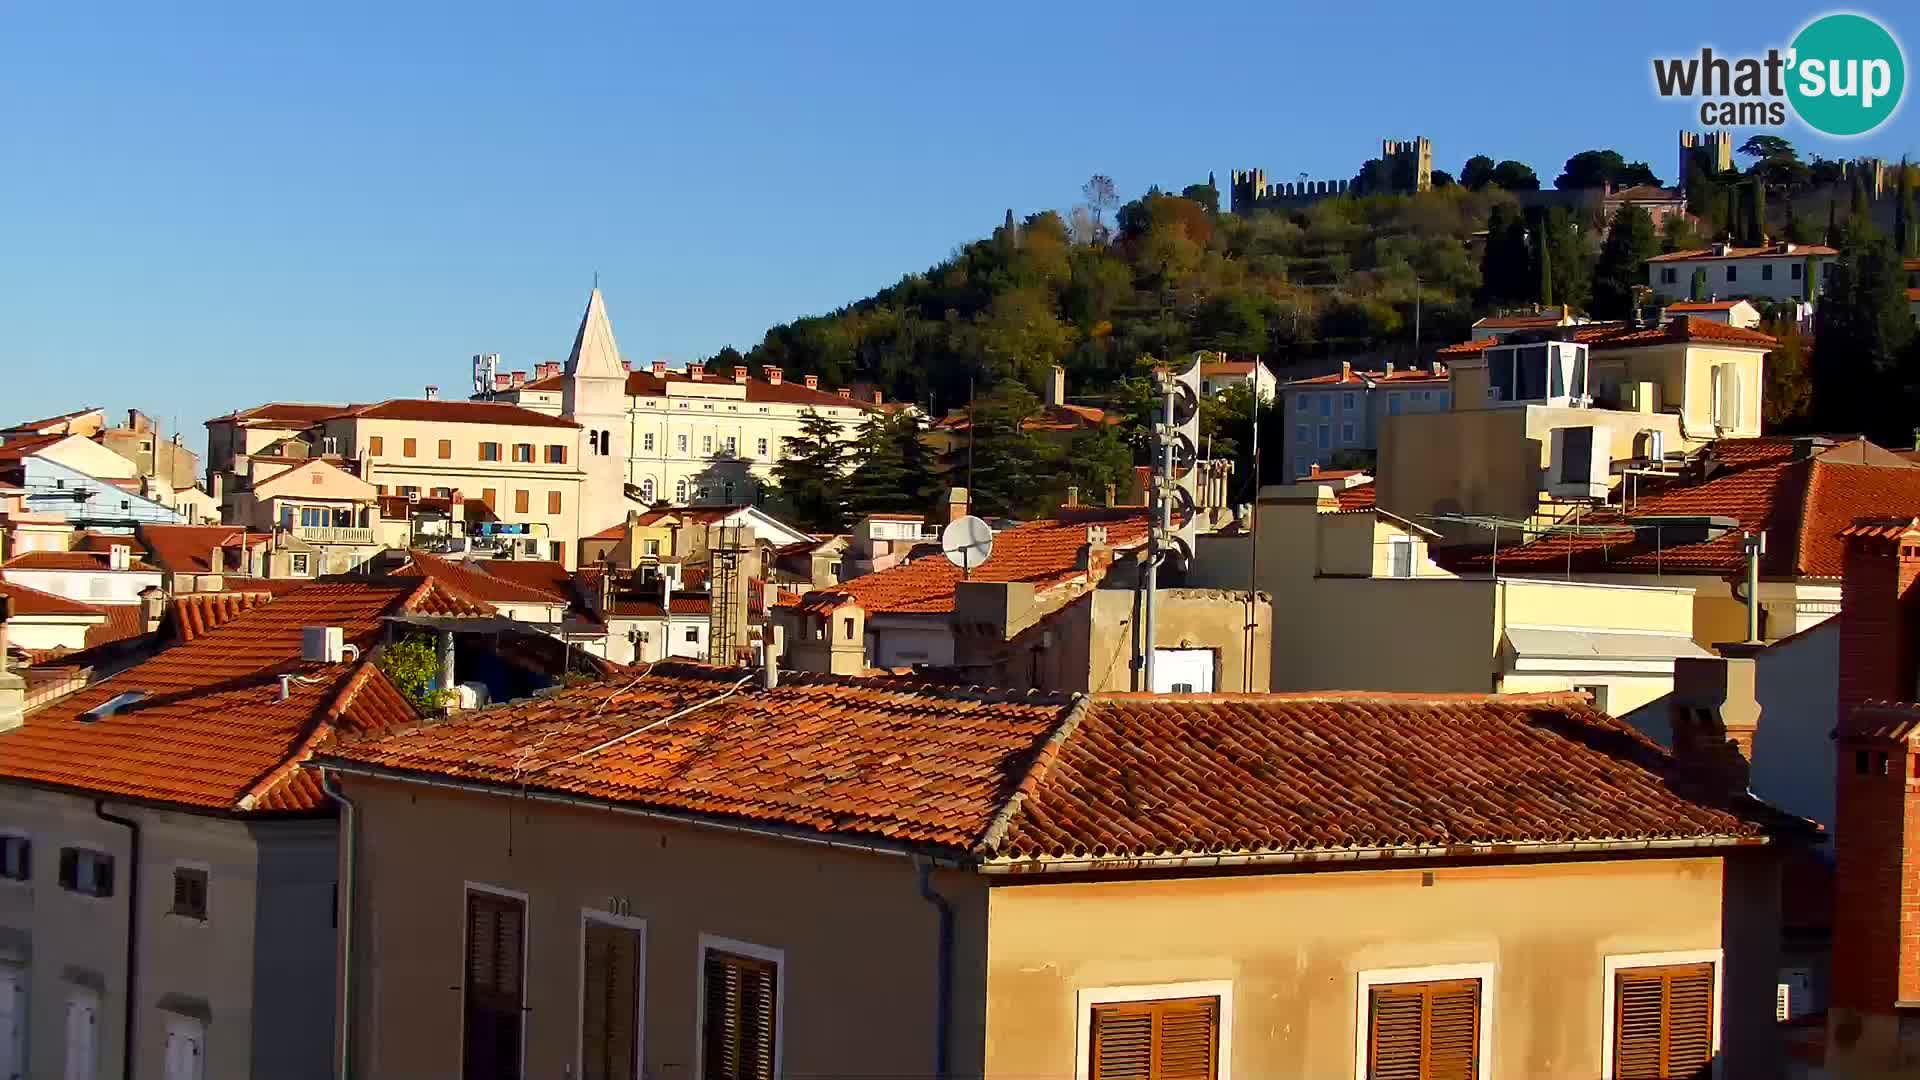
x=1011, y=471
x=1515, y=176
x=1863, y=367
x=412, y=665
x=810, y=478
x=1507, y=271
x=893, y=470
x=1622, y=265
x=1597, y=168
x=1477, y=173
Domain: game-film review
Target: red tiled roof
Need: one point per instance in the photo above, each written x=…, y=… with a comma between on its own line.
x=1007, y=776
x=684, y=603
x=785, y=392
x=1772, y=250
x=1226, y=367
x=212, y=732
x=1616, y=335
x=1357, y=497
x=124, y=621
x=457, y=412
x=473, y=584
x=1703, y=305
x=186, y=549
x=20, y=447
x=287, y=415
x=1802, y=504
x=73, y=560
x=1040, y=552
x=196, y=615
x=51, y=421
x=1049, y=418
x=541, y=575
x=1517, y=322
x=34, y=602
x=1355, y=378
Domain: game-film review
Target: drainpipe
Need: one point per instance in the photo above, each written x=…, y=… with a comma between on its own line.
x=1755, y=545
x=131, y=1006
x=349, y=863
x=943, y=991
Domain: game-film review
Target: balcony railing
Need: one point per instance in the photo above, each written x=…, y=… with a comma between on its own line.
x=333, y=534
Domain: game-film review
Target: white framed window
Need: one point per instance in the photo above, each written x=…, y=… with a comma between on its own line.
x=646, y=487
x=653, y=547
x=82, y=1036
x=693, y=635
x=1669, y=996
x=186, y=1048
x=1596, y=691
x=756, y=996
x=302, y=565
x=680, y=490
x=706, y=442
x=493, y=980
x=760, y=448
x=613, y=983
x=730, y=446
x=87, y=872
x=646, y=442
x=681, y=443
x=1089, y=1001
x=1400, y=557
x=1391, y=980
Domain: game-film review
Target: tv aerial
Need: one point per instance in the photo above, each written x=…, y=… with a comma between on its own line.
x=967, y=542
x=485, y=365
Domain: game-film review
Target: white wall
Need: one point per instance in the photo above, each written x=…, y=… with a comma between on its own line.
x=1751, y=278
x=94, y=587
x=903, y=642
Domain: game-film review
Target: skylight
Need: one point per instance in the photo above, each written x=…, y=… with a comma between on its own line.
x=112, y=705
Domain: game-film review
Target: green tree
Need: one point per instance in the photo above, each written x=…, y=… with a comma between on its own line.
x=1507, y=272
x=1098, y=457
x=1206, y=195
x=1515, y=176
x=1789, y=385
x=1590, y=169
x=1906, y=228
x=1678, y=234
x=1762, y=147
x=1544, y=258
x=412, y=665
x=1756, y=224
x=1572, y=269
x=1477, y=173
x=1011, y=472
x=1622, y=265
x=1797, y=230
x=1697, y=286
x=893, y=470
x=810, y=476
x=1862, y=369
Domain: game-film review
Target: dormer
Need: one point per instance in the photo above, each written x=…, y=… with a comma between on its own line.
x=1538, y=373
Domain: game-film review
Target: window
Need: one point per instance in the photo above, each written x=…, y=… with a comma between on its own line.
x=553, y=502
x=693, y=635
x=494, y=990
x=186, y=1048
x=1766, y=271
x=445, y=449
x=646, y=490
x=646, y=442
x=409, y=490
x=653, y=547
x=1669, y=275
x=730, y=446
x=1326, y=434
x=1596, y=691
x=556, y=551
x=1424, y=1030
x=726, y=491
x=300, y=564
x=375, y=446
x=1346, y=402
x=522, y=499
x=1326, y=404
x=523, y=452
x=489, y=496
x=16, y=860
x=83, y=1036
x=682, y=444
x=1306, y=435
x=89, y=873
x=1660, y=1020
x=489, y=451
x=557, y=454
x=1400, y=557
x=1393, y=404
x=680, y=488
x=409, y=447
x=1797, y=272
x=1347, y=434
x=739, y=1012
x=1733, y=272
x=190, y=892
x=706, y=444
x=1151, y=1040
x=1726, y=396
x=610, y=973
x=13, y=1021
x=1300, y=403
x=760, y=448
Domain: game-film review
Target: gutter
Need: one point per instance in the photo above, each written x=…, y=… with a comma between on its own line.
x=692, y=820
x=130, y=1007
x=349, y=857
x=1010, y=867
x=943, y=971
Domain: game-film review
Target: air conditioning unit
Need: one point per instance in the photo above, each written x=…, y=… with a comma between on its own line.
x=413, y=496
x=323, y=644
x=1579, y=462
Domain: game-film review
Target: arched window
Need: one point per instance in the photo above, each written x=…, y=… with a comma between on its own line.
x=646, y=491
x=680, y=491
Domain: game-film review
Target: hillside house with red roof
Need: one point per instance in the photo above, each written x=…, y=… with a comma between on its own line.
x=1339, y=415
x=1774, y=272
x=841, y=876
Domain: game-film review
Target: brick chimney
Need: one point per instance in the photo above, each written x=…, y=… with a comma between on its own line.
x=813, y=382
x=772, y=373
x=153, y=607
x=1713, y=714
x=959, y=504
x=1346, y=370
x=846, y=392
x=740, y=373
x=878, y=397
x=1876, y=907
x=696, y=372
x=659, y=367
x=1057, y=386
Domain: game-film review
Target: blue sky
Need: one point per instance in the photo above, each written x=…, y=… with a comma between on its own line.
x=214, y=205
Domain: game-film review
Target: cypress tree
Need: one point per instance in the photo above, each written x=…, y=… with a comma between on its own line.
x=1546, y=267
x=1757, y=216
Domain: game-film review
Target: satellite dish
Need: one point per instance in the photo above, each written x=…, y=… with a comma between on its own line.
x=967, y=542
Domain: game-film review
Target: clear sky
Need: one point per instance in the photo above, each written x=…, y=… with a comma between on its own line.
x=206, y=206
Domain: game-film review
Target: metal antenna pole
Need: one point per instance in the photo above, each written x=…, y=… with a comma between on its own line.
x=1159, y=519
x=1253, y=541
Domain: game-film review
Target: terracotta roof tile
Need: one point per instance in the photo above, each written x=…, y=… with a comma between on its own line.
x=19, y=447
x=541, y=575
x=73, y=560
x=212, y=732
x=186, y=549
x=1615, y=335
x=1009, y=777
x=1357, y=497
x=1041, y=552
x=1357, y=377
x=287, y=415
x=51, y=421
x=35, y=602
x=472, y=583
x=685, y=603
x=197, y=614
x=457, y=412
x=1770, y=251
x=785, y=392
x=124, y=621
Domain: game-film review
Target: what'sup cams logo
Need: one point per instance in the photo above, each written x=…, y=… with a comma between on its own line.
x=1843, y=75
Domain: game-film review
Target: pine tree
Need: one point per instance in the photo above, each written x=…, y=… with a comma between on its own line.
x=1506, y=265
x=893, y=471
x=1906, y=230
x=1622, y=266
x=811, y=475
x=1862, y=329
x=1757, y=216
x=1697, y=286
x=1010, y=472
x=1545, y=259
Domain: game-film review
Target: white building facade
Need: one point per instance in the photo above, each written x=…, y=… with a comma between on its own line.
x=1775, y=272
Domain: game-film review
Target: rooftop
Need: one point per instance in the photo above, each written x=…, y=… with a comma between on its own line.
x=1735, y=252
x=476, y=582
x=32, y=602
x=446, y=411
x=289, y=415
x=648, y=383
x=1351, y=377
x=75, y=560
x=1619, y=335
x=1016, y=778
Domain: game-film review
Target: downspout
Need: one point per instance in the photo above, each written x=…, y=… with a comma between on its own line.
x=943, y=977
x=349, y=862
x=131, y=1007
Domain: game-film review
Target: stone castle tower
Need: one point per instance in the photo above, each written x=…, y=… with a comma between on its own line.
x=1712, y=149
x=1412, y=157
x=593, y=394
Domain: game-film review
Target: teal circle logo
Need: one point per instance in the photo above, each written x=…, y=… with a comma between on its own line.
x=1847, y=74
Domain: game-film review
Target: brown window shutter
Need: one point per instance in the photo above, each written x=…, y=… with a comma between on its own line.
x=374, y=446
x=608, y=1026
x=1663, y=1022
x=488, y=495
x=1156, y=1040
x=1424, y=1031
x=521, y=500
x=553, y=502
x=739, y=1036
x=446, y=449
x=494, y=991
x=408, y=447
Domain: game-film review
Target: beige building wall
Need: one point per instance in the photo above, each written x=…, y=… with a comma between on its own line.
x=859, y=944
x=1213, y=619
x=258, y=972
x=678, y=441
x=1290, y=950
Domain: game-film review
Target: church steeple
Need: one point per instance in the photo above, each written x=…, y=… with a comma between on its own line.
x=595, y=353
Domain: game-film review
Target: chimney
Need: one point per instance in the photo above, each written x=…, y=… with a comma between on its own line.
x=1057, y=386
x=1313, y=469
x=153, y=607
x=1439, y=369
x=740, y=373
x=1714, y=714
x=433, y=393
x=772, y=373
x=1073, y=496
x=1112, y=490
x=1389, y=369
x=959, y=504
x=119, y=557
x=1876, y=917
x=813, y=382
x=846, y=392
x=1346, y=370
x=878, y=399
x=696, y=372
x=519, y=380
x=502, y=380
x=659, y=367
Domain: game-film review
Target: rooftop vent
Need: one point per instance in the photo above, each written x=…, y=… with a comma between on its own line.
x=115, y=704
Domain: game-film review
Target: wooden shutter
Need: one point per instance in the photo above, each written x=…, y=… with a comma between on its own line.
x=1424, y=1031
x=494, y=986
x=553, y=502
x=739, y=1037
x=521, y=501
x=1663, y=1022
x=1177, y=1039
x=610, y=996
